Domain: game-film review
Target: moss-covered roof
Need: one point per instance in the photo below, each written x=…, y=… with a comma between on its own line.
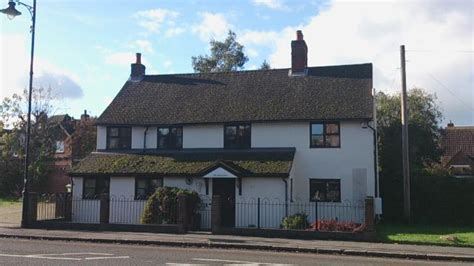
x=325, y=93
x=261, y=163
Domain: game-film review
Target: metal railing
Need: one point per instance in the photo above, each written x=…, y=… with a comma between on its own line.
x=269, y=213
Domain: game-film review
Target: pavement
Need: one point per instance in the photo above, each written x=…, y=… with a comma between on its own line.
x=207, y=240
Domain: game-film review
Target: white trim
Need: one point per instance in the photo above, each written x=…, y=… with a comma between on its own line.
x=220, y=173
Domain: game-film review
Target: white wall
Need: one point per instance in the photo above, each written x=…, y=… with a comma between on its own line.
x=124, y=209
x=356, y=151
x=83, y=210
x=205, y=136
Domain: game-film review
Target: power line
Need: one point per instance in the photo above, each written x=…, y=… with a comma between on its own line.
x=451, y=92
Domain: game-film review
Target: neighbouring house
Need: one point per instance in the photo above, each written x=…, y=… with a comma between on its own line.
x=457, y=143
x=65, y=153
x=296, y=135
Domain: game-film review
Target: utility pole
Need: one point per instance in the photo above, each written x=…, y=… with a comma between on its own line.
x=405, y=158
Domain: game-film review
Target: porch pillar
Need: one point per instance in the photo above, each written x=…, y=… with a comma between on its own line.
x=32, y=208
x=104, y=208
x=183, y=217
x=369, y=214
x=216, y=213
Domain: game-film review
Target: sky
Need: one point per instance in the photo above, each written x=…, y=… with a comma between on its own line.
x=84, y=48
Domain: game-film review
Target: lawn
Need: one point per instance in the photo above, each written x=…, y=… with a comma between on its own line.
x=10, y=211
x=426, y=234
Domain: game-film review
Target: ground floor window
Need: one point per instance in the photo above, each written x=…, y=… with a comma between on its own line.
x=94, y=186
x=325, y=190
x=145, y=187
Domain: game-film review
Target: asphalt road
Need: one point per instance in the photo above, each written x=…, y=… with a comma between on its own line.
x=34, y=252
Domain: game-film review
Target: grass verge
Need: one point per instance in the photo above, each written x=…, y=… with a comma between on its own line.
x=426, y=234
x=8, y=201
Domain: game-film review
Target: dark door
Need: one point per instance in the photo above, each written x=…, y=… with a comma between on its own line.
x=225, y=187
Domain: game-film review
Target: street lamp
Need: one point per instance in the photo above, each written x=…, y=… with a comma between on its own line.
x=11, y=13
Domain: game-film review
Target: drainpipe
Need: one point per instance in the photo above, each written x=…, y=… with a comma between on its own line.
x=376, y=160
x=144, y=138
x=286, y=195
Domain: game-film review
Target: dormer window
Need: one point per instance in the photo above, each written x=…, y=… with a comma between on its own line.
x=237, y=136
x=119, y=138
x=170, y=138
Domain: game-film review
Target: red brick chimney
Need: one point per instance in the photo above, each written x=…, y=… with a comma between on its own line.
x=138, y=70
x=299, y=55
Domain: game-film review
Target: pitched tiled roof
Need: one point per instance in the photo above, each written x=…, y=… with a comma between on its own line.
x=246, y=163
x=331, y=92
x=457, y=139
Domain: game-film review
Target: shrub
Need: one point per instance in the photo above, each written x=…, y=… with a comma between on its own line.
x=161, y=207
x=336, y=226
x=295, y=221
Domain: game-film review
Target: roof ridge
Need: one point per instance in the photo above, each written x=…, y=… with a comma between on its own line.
x=245, y=71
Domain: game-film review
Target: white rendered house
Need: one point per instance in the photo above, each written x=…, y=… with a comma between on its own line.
x=302, y=134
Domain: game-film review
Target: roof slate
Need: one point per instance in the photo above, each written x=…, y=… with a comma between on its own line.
x=325, y=93
x=273, y=162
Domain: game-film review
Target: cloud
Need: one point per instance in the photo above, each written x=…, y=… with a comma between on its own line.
x=152, y=20
x=251, y=52
x=435, y=34
x=251, y=37
x=14, y=70
x=171, y=32
x=143, y=46
x=212, y=25
x=273, y=4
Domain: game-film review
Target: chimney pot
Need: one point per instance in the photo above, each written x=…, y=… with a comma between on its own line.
x=139, y=58
x=299, y=35
x=450, y=124
x=138, y=69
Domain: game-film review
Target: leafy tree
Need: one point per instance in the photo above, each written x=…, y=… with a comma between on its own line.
x=423, y=124
x=84, y=138
x=265, y=65
x=14, y=115
x=225, y=56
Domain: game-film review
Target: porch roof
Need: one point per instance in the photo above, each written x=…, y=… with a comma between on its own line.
x=264, y=162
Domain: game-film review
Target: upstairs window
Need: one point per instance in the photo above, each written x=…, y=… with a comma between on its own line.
x=170, y=138
x=59, y=146
x=237, y=136
x=119, y=137
x=145, y=187
x=94, y=186
x=325, y=135
x=325, y=190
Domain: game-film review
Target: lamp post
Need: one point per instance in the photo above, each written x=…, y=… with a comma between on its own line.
x=11, y=13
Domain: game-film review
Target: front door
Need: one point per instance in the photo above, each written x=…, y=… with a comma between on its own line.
x=225, y=187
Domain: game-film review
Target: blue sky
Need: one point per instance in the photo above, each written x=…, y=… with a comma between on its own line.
x=84, y=48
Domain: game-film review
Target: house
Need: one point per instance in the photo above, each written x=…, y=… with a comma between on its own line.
x=302, y=134
x=457, y=143
x=65, y=155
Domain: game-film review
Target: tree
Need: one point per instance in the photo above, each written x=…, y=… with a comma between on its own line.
x=225, y=56
x=265, y=65
x=424, y=118
x=42, y=147
x=84, y=138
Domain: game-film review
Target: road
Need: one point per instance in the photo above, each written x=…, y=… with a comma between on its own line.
x=34, y=252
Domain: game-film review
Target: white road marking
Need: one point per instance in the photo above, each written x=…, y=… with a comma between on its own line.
x=241, y=262
x=184, y=264
x=99, y=256
x=35, y=257
x=106, y=258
